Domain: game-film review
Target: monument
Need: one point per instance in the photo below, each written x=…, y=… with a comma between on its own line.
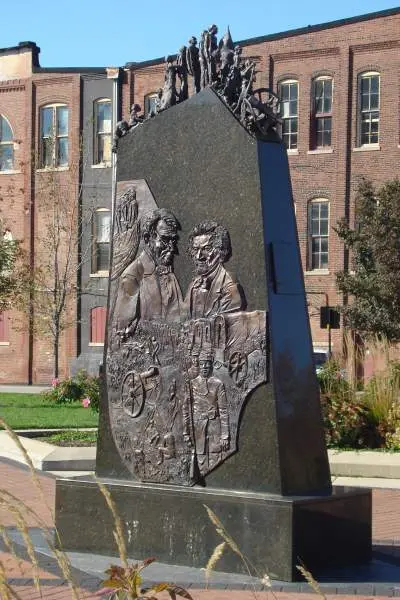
x=210, y=396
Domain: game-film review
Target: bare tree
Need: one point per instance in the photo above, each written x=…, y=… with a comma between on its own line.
x=54, y=283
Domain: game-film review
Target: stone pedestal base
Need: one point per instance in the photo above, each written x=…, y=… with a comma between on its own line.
x=170, y=523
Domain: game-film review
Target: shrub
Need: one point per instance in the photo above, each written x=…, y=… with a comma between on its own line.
x=342, y=411
x=81, y=386
x=381, y=400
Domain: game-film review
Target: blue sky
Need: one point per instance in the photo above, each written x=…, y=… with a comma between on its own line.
x=105, y=33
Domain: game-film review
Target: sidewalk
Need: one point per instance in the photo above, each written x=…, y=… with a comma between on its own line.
x=381, y=580
x=23, y=388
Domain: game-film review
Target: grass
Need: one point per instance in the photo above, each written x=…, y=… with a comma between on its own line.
x=71, y=438
x=33, y=411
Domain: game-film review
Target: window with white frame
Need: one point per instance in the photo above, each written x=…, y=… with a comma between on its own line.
x=369, y=104
x=102, y=131
x=322, y=112
x=288, y=92
x=318, y=234
x=6, y=145
x=54, y=135
x=101, y=240
x=150, y=104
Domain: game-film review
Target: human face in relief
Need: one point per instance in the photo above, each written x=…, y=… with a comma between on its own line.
x=204, y=254
x=164, y=243
x=206, y=368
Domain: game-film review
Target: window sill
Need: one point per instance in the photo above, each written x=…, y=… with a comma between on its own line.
x=292, y=152
x=99, y=274
x=9, y=172
x=105, y=165
x=317, y=272
x=47, y=169
x=368, y=148
x=321, y=151
x=4, y=343
x=96, y=344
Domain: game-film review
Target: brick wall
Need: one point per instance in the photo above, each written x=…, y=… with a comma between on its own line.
x=14, y=214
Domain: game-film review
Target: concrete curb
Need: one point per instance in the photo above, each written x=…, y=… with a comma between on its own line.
x=360, y=465
x=47, y=457
x=366, y=463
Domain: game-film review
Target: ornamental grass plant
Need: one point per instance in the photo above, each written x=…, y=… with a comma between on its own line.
x=122, y=582
x=366, y=418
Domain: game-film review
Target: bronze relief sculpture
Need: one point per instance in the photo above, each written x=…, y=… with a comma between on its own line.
x=178, y=370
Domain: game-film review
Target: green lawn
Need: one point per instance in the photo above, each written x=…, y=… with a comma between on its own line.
x=33, y=411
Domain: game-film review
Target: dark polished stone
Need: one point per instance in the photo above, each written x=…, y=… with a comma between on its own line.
x=200, y=163
x=170, y=522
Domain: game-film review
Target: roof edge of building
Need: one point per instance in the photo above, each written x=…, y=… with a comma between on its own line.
x=288, y=33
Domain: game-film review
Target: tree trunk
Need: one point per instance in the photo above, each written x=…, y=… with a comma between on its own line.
x=56, y=353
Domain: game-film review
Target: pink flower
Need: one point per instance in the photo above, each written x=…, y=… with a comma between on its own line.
x=85, y=402
x=55, y=381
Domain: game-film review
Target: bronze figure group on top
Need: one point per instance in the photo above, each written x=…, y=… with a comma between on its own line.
x=220, y=65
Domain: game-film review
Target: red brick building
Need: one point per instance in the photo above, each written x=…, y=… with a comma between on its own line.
x=40, y=149
x=339, y=84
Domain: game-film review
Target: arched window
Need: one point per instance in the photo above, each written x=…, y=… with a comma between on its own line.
x=318, y=234
x=321, y=129
x=289, y=93
x=102, y=132
x=368, y=108
x=101, y=240
x=97, y=325
x=150, y=102
x=6, y=145
x=54, y=135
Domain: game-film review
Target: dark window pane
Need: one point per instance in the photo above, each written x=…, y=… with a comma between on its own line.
x=323, y=229
x=47, y=122
x=327, y=141
x=47, y=152
x=374, y=139
x=102, y=256
x=327, y=104
x=6, y=157
x=62, y=157
x=324, y=260
x=315, y=245
x=293, y=108
x=5, y=131
x=293, y=91
x=285, y=92
x=324, y=210
x=374, y=84
x=365, y=85
x=365, y=100
x=62, y=120
x=374, y=101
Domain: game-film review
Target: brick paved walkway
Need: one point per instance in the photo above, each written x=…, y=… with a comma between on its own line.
x=18, y=481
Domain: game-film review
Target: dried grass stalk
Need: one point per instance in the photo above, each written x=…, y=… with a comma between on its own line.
x=10, y=547
x=6, y=591
x=214, y=558
x=29, y=462
x=314, y=585
x=118, y=531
